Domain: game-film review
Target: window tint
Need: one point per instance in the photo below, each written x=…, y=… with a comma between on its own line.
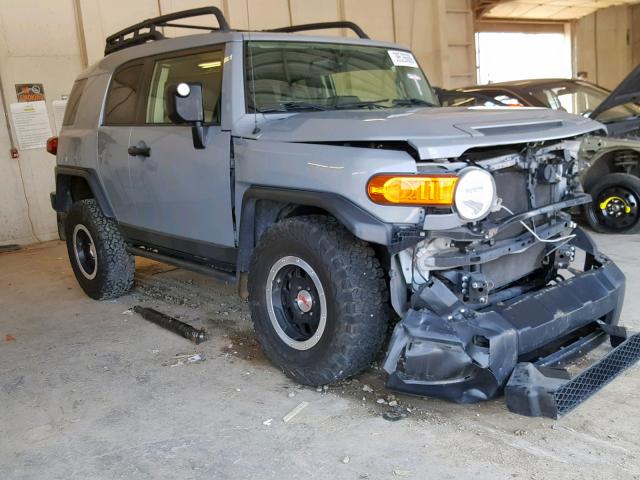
x=469, y=100
x=73, y=102
x=203, y=68
x=123, y=96
x=580, y=99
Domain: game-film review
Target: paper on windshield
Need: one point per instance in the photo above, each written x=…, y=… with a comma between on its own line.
x=402, y=59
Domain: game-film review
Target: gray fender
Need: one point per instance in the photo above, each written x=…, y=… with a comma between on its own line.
x=358, y=221
x=61, y=199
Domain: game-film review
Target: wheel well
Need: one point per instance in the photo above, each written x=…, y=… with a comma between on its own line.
x=71, y=189
x=265, y=213
x=79, y=189
x=614, y=161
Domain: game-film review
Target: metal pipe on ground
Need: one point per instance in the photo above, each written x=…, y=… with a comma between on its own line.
x=174, y=325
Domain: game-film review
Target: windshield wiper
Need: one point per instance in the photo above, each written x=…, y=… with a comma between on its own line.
x=362, y=104
x=291, y=107
x=413, y=101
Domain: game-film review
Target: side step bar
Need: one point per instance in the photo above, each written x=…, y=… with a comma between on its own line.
x=227, y=277
x=537, y=391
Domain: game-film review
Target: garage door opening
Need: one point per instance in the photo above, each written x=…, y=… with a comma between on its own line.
x=505, y=56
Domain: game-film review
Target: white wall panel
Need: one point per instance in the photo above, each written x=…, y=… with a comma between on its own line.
x=50, y=42
x=37, y=50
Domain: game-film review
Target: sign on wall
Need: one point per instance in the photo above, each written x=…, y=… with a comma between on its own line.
x=29, y=92
x=31, y=123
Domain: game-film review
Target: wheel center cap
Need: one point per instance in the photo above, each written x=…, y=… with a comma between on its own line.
x=304, y=300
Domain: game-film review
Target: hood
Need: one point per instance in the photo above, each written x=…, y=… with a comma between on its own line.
x=433, y=132
x=627, y=91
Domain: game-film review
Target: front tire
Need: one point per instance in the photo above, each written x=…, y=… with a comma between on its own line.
x=98, y=253
x=616, y=204
x=318, y=298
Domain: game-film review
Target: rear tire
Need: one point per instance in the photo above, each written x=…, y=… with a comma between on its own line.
x=616, y=204
x=311, y=265
x=97, y=252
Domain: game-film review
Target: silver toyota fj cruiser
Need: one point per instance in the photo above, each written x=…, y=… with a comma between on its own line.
x=320, y=174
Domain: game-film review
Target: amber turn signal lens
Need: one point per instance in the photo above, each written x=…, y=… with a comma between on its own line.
x=430, y=190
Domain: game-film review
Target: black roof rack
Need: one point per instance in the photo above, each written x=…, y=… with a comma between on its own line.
x=147, y=31
x=321, y=26
x=136, y=34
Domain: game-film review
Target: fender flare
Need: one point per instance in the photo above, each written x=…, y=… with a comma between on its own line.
x=61, y=199
x=358, y=221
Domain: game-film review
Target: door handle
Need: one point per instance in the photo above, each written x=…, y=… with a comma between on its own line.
x=139, y=150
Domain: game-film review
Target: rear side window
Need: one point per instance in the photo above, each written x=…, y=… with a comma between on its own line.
x=123, y=94
x=203, y=68
x=74, y=101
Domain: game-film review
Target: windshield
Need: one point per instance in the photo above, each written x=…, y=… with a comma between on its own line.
x=297, y=76
x=582, y=98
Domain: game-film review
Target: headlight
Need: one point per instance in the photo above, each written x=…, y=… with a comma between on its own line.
x=475, y=193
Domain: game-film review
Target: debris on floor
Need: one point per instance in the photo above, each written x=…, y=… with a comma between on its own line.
x=289, y=416
x=185, y=359
x=9, y=338
x=401, y=473
x=268, y=422
x=174, y=325
x=395, y=414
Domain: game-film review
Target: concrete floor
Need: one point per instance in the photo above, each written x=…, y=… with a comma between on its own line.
x=87, y=392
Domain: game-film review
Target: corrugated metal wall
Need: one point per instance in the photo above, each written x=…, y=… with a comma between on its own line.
x=607, y=44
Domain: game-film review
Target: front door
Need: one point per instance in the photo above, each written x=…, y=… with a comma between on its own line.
x=182, y=194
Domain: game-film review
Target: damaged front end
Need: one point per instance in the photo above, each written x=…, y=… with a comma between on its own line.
x=503, y=298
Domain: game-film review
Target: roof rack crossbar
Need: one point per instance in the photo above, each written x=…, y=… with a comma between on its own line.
x=321, y=26
x=121, y=39
x=195, y=27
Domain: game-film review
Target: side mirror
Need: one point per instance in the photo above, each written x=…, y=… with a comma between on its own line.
x=184, y=105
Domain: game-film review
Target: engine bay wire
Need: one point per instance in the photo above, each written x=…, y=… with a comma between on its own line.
x=535, y=234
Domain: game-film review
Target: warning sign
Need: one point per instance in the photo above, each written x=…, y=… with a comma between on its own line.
x=30, y=92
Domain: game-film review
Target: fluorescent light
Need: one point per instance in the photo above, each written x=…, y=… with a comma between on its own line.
x=210, y=64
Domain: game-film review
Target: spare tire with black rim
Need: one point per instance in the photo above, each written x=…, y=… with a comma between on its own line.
x=616, y=204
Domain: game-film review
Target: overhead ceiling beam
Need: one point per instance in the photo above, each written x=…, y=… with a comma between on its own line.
x=481, y=7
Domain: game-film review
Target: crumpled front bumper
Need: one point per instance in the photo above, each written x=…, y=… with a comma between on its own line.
x=452, y=352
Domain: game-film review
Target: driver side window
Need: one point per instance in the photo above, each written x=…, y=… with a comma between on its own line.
x=204, y=68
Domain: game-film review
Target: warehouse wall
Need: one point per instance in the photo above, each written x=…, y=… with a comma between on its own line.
x=38, y=44
x=50, y=42
x=607, y=44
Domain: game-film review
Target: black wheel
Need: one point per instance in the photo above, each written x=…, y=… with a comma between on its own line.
x=98, y=254
x=616, y=204
x=318, y=298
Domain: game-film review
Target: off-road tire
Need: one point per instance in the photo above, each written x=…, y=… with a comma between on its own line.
x=627, y=181
x=115, y=266
x=356, y=298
